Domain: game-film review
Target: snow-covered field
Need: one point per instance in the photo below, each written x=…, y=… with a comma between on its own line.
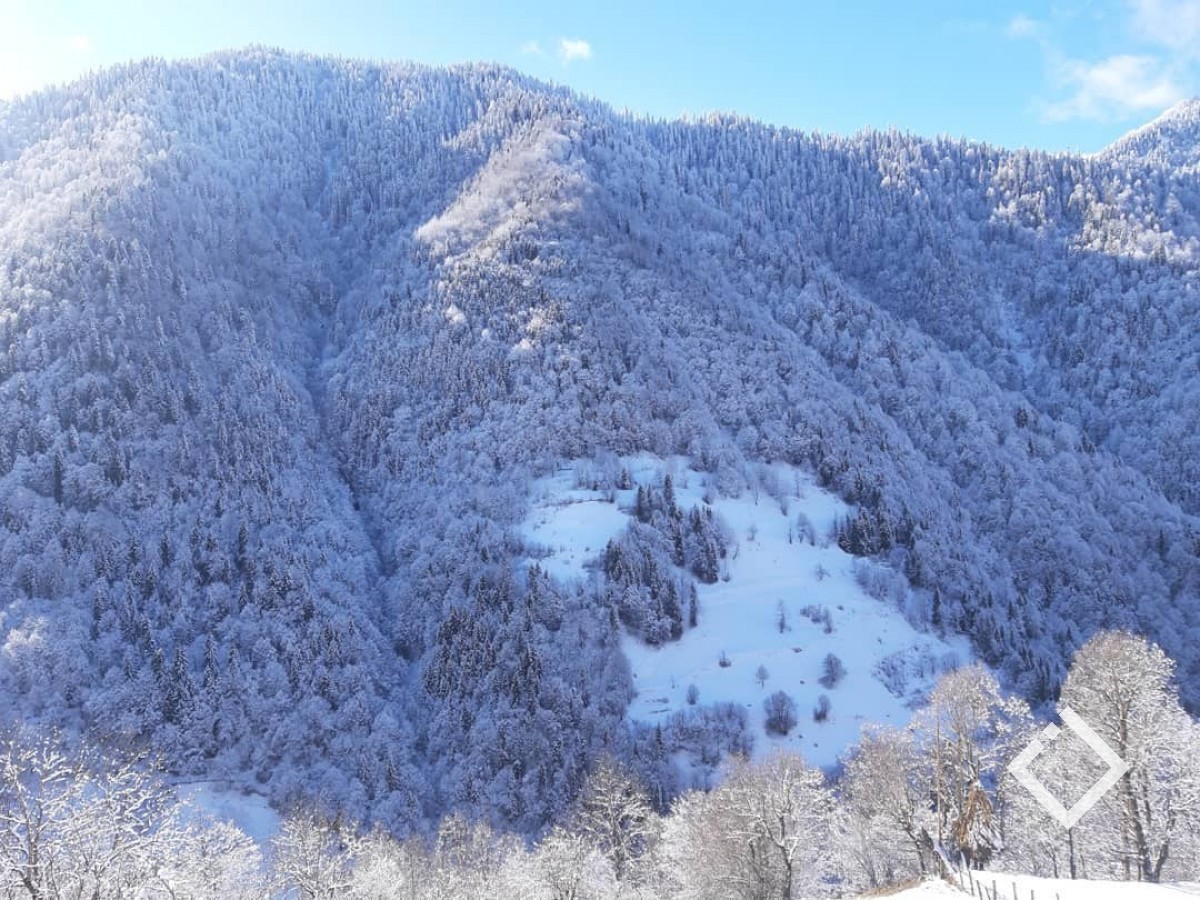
x=998, y=886
x=770, y=567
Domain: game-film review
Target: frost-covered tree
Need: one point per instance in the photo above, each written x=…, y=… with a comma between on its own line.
x=310, y=855
x=211, y=858
x=890, y=824
x=568, y=866
x=614, y=815
x=1122, y=686
x=967, y=736
x=763, y=833
x=78, y=823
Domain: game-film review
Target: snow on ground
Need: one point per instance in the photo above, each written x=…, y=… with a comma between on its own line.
x=1028, y=887
x=769, y=565
x=249, y=812
x=926, y=889
x=572, y=524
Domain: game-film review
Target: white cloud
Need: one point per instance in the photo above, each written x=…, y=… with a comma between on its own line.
x=1112, y=89
x=532, y=48
x=1164, y=70
x=573, y=49
x=1021, y=26
x=80, y=43
x=1170, y=23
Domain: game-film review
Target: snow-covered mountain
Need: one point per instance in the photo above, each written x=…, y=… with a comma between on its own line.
x=1172, y=141
x=285, y=343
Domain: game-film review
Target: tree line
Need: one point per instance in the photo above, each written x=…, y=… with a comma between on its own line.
x=905, y=802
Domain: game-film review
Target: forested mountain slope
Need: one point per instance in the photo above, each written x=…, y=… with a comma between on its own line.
x=284, y=340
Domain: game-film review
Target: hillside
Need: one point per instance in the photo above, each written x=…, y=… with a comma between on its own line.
x=285, y=343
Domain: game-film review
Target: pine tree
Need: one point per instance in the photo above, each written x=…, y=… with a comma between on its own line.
x=212, y=671
x=642, y=508
x=58, y=476
x=178, y=690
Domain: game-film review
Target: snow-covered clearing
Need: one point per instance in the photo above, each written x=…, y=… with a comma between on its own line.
x=771, y=567
x=249, y=812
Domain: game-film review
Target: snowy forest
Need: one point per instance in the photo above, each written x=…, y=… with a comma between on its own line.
x=908, y=803
x=285, y=340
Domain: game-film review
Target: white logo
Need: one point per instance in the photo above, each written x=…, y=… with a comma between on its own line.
x=1020, y=769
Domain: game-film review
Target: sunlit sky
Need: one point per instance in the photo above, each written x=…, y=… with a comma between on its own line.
x=1055, y=75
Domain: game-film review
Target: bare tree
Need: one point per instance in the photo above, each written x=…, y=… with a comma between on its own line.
x=968, y=735
x=781, y=808
x=615, y=815
x=832, y=671
x=468, y=858
x=211, y=859
x=387, y=869
x=885, y=791
x=764, y=833
x=1122, y=686
x=75, y=824
x=780, y=711
x=310, y=855
x=566, y=866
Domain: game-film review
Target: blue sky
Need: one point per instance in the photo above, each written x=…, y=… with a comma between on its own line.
x=1072, y=74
